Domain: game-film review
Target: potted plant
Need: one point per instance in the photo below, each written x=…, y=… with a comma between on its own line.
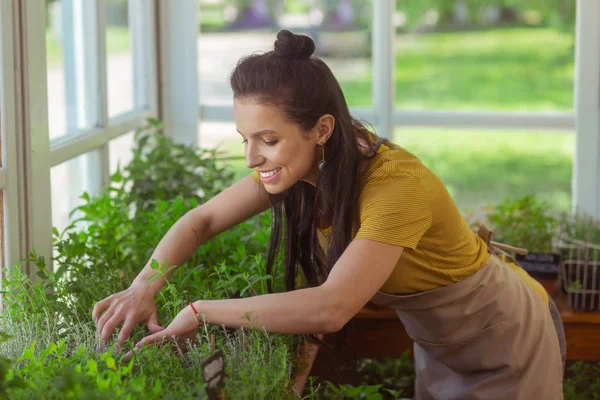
x=579, y=246
x=529, y=223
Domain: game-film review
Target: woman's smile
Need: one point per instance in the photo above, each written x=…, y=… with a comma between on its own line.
x=269, y=176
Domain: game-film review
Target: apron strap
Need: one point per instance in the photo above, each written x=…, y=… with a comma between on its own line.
x=495, y=247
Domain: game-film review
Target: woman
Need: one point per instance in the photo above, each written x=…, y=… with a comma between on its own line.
x=366, y=221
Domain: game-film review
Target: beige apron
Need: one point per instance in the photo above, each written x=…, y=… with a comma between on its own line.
x=489, y=336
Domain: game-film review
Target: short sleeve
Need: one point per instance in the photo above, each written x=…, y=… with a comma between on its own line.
x=394, y=209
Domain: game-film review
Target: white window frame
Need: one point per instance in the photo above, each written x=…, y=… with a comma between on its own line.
x=28, y=153
x=586, y=171
x=8, y=124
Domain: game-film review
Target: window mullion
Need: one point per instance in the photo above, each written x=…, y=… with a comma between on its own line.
x=99, y=159
x=586, y=166
x=32, y=128
x=14, y=244
x=383, y=65
x=179, y=69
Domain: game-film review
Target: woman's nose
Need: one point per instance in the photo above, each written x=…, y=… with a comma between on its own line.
x=253, y=158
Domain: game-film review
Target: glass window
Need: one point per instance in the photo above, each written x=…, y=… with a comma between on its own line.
x=120, y=151
x=68, y=182
x=484, y=167
x=473, y=55
x=224, y=137
x=72, y=66
x=119, y=58
x=2, y=242
x=340, y=28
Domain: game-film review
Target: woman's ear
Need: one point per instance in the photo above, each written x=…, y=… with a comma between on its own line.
x=325, y=126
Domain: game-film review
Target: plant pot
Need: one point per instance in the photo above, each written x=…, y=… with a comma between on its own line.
x=543, y=267
x=580, y=273
x=581, y=281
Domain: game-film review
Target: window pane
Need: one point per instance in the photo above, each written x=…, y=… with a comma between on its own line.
x=223, y=136
x=230, y=30
x=69, y=180
x=485, y=57
x=119, y=58
x=2, y=243
x=72, y=67
x=482, y=167
x=120, y=151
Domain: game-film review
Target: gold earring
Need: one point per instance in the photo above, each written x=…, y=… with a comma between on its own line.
x=322, y=162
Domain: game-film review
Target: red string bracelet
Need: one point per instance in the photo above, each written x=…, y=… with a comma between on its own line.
x=200, y=320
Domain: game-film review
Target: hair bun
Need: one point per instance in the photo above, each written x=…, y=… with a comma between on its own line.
x=294, y=47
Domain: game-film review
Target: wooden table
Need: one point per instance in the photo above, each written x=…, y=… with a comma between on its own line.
x=377, y=332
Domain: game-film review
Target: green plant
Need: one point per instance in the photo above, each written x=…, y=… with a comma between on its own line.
x=580, y=226
x=576, y=285
x=526, y=222
x=584, y=383
x=394, y=373
x=52, y=340
x=368, y=392
x=162, y=170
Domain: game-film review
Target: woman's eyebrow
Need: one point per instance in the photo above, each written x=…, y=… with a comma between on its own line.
x=264, y=131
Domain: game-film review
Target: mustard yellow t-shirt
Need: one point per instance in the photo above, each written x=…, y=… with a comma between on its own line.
x=403, y=203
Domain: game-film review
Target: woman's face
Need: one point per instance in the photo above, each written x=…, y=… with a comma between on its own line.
x=280, y=150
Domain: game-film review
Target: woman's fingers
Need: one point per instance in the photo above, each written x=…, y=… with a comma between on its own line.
x=99, y=307
x=152, y=323
x=126, y=330
x=104, y=319
x=110, y=326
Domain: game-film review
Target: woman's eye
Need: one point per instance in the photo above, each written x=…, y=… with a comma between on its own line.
x=245, y=141
x=272, y=143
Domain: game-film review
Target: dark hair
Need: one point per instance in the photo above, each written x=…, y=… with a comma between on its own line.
x=305, y=89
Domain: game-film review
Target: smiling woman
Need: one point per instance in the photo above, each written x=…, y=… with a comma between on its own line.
x=365, y=220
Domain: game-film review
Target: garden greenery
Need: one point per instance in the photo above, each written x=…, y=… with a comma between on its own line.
x=49, y=334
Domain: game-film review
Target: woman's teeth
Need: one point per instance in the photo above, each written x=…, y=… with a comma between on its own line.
x=270, y=173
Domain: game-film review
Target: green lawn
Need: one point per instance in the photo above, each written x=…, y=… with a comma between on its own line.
x=525, y=69
x=118, y=40
x=484, y=167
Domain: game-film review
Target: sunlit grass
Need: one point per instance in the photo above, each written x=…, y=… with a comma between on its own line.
x=524, y=69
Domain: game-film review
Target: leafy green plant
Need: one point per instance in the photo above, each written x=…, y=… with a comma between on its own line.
x=394, y=373
x=580, y=226
x=527, y=222
x=584, y=383
x=162, y=170
x=372, y=392
x=52, y=339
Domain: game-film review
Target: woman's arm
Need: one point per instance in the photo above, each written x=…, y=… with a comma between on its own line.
x=359, y=273
x=136, y=304
x=236, y=204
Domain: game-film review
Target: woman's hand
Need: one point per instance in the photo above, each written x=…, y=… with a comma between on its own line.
x=132, y=306
x=184, y=326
